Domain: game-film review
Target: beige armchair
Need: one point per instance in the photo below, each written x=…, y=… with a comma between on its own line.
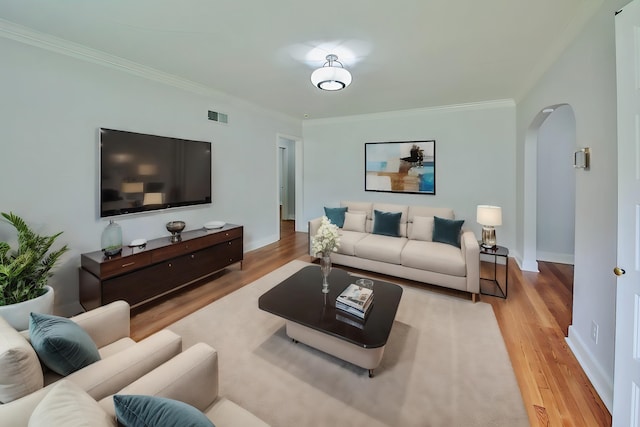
x=190, y=377
x=123, y=360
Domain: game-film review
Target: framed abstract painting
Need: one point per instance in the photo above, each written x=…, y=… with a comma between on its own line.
x=400, y=167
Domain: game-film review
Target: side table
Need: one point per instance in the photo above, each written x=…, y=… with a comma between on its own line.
x=492, y=286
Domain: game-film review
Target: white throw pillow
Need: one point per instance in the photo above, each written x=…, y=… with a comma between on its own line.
x=354, y=222
x=422, y=228
x=67, y=405
x=20, y=369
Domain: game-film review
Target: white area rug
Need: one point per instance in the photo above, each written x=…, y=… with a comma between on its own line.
x=445, y=364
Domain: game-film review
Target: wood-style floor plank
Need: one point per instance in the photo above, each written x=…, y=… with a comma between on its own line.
x=534, y=321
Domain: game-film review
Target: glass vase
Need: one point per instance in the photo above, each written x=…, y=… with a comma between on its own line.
x=112, y=239
x=325, y=268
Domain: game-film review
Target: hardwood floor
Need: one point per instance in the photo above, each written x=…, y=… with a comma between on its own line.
x=534, y=321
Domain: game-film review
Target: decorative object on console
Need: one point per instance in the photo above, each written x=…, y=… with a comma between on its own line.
x=26, y=271
x=400, y=167
x=112, y=239
x=212, y=225
x=489, y=216
x=138, y=243
x=331, y=77
x=325, y=241
x=175, y=228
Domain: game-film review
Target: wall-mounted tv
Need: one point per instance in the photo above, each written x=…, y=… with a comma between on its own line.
x=140, y=172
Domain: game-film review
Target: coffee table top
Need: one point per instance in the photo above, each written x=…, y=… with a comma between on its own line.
x=299, y=299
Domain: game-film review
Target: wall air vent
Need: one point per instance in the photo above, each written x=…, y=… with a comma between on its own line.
x=218, y=117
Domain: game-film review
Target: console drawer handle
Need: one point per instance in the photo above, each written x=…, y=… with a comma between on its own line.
x=129, y=264
x=193, y=256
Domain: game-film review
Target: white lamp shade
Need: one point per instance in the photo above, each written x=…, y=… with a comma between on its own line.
x=331, y=78
x=489, y=215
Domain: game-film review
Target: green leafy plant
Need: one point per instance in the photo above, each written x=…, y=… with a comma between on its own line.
x=24, y=272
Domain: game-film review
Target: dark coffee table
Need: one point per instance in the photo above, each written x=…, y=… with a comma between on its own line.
x=312, y=318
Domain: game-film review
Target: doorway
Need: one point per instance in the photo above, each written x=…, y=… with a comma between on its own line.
x=289, y=186
x=549, y=188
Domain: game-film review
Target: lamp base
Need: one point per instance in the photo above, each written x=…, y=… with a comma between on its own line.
x=488, y=237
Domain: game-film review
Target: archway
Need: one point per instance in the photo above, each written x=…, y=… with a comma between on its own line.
x=531, y=190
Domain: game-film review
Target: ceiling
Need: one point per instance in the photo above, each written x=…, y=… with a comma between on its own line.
x=402, y=55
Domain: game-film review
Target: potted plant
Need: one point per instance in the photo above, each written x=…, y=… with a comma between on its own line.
x=24, y=273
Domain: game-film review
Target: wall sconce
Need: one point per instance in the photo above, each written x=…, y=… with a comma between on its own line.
x=581, y=158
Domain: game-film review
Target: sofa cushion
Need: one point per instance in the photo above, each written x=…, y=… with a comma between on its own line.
x=61, y=343
x=422, y=228
x=389, y=207
x=381, y=248
x=20, y=370
x=67, y=405
x=447, y=230
x=335, y=215
x=354, y=222
x=365, y=207
x=433, y=256
x=386, y=223
x=144, y=411
x=348, y=241
x=415, y=211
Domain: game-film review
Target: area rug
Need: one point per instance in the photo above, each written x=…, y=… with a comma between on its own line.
x=445, y=364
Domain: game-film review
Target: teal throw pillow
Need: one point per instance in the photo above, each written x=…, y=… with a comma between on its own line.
x=335, y=215
x=61, y=343
x=148, y=411
x=447, y=230
x=386, y=223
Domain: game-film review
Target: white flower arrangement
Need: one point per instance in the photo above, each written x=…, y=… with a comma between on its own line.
x=327, y=239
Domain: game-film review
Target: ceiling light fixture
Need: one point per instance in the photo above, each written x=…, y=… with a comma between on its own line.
x=330, y=76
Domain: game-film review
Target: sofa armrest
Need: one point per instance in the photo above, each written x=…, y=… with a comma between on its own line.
x=106, y=324
x=109, y=375
x=190, y=377
x=314, y=225
x=471, y=254
x=17, y=412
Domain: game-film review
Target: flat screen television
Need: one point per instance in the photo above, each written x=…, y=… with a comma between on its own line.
x=140, y=172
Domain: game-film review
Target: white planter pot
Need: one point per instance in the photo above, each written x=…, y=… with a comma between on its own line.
x=17, y=315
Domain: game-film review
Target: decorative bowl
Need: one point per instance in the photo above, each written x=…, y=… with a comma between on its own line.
x=175, y=228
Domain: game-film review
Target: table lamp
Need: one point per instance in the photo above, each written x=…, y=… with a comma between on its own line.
x=488, y=217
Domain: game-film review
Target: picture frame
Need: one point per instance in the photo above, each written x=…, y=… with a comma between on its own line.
x=400, y=167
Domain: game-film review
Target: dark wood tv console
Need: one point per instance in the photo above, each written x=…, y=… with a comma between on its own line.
x=139, y=275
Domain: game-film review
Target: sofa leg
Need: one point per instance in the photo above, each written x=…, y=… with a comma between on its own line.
x=474, y=297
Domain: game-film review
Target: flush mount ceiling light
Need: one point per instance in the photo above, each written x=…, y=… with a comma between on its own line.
x=331, y=76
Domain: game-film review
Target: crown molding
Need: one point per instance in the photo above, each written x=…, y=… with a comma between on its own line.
x=51, y=43
x=25, y=35
x=482, y=105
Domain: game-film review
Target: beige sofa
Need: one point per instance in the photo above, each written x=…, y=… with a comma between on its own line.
x=123, y=360
x=412, y=255
x=190, y=377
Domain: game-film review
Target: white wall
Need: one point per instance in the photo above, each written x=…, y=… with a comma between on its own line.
x=584, y=77
x=475, y=159
x=556, y=187
x=50, y=110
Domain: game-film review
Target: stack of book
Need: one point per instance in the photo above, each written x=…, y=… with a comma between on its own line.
x=355, y=300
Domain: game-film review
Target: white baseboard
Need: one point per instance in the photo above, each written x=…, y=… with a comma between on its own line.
x=527, y=265
x=555, y=257
x=602, y=382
